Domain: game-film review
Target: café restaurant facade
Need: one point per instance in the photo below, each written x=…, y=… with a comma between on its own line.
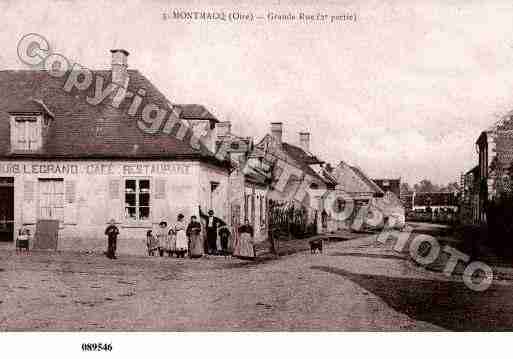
x=84, y=195
x=83, y=165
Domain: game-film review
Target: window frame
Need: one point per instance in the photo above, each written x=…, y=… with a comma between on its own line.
x=51, y=200
x=29, y=137
x=137, y=193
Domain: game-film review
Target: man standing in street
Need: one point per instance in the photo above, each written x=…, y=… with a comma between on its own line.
x=212, y=224
x=112, y=233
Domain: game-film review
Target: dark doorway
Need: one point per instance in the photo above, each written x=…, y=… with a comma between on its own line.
x=6, y=209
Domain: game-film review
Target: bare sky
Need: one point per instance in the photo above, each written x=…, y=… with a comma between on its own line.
x=402, y=92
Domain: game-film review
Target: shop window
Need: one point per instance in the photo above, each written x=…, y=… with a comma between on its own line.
x=51, y=199
x=26, y=133
x=137, y=199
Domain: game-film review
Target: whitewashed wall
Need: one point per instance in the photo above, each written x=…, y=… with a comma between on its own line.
x=94, y=193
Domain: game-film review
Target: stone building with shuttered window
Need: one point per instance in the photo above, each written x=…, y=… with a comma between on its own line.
x=63, y=158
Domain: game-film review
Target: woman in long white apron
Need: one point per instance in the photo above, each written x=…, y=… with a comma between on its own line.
x=181, y=237
x=244, y=245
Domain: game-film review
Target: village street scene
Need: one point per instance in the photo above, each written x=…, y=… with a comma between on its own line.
x=149, y=187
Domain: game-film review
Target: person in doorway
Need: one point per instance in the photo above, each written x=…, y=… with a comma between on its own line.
x=245, y=245
x=224, y=235
x=181, y=237
x=193, y=232
x=212, y=225
x=112, y=233
x=324, y=221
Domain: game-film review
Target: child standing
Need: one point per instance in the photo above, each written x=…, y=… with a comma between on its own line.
x=112, y=233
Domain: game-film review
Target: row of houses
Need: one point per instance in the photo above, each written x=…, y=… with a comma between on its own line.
x=63, y=158
x=423, y=201
x=491, y=178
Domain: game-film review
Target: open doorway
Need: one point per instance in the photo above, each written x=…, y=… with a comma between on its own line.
x=6, y=209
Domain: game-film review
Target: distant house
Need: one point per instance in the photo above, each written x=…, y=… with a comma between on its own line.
x=495, y=148
x=273, y=150
x=469, y=197
x=407, y=200
x=356, y=183
x=249, y=181
x=435, y=200
x=389, y=184
x=358, y=188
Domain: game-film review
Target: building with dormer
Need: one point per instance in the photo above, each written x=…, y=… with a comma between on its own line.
x=66, y=157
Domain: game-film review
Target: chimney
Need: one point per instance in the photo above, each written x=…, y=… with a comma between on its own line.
x=224, y=129
x=304, y=141
x=119, y=66
x=276, y=132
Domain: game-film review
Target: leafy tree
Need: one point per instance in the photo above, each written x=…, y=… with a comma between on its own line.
x=425, y=186
x=451, y=187
x=405, y=187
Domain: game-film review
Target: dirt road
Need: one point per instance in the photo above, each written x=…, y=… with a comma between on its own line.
x=355, y=285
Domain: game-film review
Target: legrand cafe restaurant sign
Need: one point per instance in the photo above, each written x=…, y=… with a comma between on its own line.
x=146, y=168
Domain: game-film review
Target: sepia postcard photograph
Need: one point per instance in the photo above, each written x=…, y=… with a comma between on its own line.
x=272, y=167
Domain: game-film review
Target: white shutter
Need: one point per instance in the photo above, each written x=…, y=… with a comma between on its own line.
x=160, y=188
x=70, y=207
x=115, y=207
x=114, y=189
x=29, y=206
x=44, y=200
x=20, y=134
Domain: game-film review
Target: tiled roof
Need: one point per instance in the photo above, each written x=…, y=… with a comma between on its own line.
x=196, y=112
x=374, y=187
x=301, y=155
x=31, y=106
x=82, y=130
x=352, y=180
x=304, y=160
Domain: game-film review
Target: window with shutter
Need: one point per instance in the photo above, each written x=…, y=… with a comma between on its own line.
x=160, y=188
x=137, y=199
x=51, y=199
x=28, y=191
x=27, y=133
x=114, y=189
x=70, y=191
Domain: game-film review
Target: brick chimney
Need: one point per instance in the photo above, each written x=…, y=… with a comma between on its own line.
x=304, y=141
x=119, y=68
x=276, y=132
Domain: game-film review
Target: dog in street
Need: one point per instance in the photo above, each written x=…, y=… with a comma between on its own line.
x=316, y=246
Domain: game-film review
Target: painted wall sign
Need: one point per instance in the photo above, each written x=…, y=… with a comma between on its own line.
x=95, y=168
x=147, y=169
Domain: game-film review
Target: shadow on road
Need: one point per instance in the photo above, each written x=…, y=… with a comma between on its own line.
x=368, y=255
x=450, y=305
x=431, y=229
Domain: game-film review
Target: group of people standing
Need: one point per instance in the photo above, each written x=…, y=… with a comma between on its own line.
x=171, y=240
x=183, y=239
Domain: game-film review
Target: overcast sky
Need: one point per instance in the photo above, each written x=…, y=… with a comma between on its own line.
x=402, y=92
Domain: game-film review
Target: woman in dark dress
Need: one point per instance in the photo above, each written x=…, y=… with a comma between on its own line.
x=195, y=241
x=224, y=236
